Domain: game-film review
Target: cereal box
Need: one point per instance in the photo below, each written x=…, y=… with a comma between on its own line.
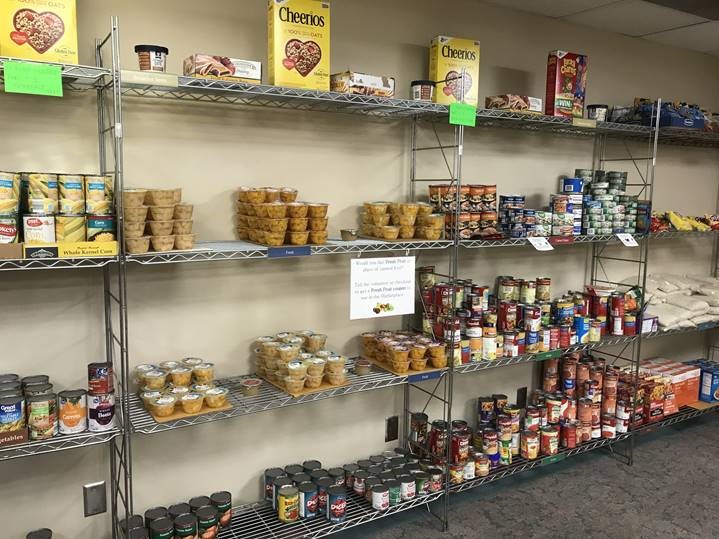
x=448, y=56
x=299, y=43
x=44, y=30
x=566, y=84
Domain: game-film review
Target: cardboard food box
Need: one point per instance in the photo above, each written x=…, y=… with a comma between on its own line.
x=299, y=43
x=448, y=57
x=566, y=84
x=206, y=66
x=351, y=82
x=683, y=378
x=514, y=103
x=41, y=30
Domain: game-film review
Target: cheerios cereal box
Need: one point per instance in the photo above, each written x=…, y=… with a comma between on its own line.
x=44, y=30
x=299, y=43
x=448, y=56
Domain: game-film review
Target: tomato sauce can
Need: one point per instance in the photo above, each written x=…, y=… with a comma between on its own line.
x=337, y=504
x=549, y=440
x=532, y=419
x=554, y=409
x=598, y=306
x=568, y=434
x=101, y=412
x=99, y=378
x=565, y=335
x=408, y=487
x=308, y=500
x=288, y=504
x=630, y=324
x=72, y=411
x=380, y=497
x=529, y=445
x=554, y=337
x=609, y=426
x=570, y=412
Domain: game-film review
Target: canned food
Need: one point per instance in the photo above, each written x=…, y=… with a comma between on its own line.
x=72, y=411
x=71, y=194
x=288, y=508
x=101, y=412
x=360, y=477
x=549, y=440
x=100, y=228
x=42, y=416
x=380, y=498
x=323, y=486
x=161, y=528
x=270, y=475
x=12, y=413
x=70, y=228
x=529, y=445
x=98, y=195
x=99, y=378
x=568, y=434
x=38, y=229
x=39, y=193
x=456, y=474
x=186, y=526
x=223, y=502
x=337, y=504
x=407, y=487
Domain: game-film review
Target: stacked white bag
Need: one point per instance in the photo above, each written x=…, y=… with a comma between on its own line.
x=682, y=301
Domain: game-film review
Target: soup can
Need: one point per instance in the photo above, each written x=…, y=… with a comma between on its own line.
x=380, y=497
x=101, y=412
x=72, y=411
x=549, y=443
x=288, y=504
x=529, y=445
x=435, y=479
x=394, y=491
x=407, y=487
x=99, y=378
x=42, y=416
x=270, y=475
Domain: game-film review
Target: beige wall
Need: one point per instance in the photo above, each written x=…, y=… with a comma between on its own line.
x=215, y=310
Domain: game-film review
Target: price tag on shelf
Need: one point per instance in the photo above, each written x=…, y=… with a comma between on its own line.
x=32, y=78
x=284, y=252
x=628, y=240
x=424, y=376
x=462, y=114
x=541, y=244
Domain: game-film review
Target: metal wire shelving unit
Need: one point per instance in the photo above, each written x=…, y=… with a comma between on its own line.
x=56, y=443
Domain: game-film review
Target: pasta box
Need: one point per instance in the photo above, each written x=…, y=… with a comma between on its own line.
x=454, y=66
x=566, y=84
x=43, y=30
x=299, y=43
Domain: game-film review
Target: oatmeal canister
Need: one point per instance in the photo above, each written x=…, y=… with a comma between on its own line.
x=72, y=411
x=98, y=195
x=299, y=43
x=101, y=412
x=42, y=416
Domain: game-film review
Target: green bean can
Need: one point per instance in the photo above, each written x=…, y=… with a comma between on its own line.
x=395, y=491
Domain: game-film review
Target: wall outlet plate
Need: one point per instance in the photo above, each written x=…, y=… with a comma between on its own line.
x=392, y=430
x=94, y=497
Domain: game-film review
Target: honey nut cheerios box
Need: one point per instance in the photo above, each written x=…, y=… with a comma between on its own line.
x=44, y=30
x=448, y=56
x=299, y=43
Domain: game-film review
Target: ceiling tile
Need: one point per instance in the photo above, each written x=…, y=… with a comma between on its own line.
x=550, y=8
x=634, y=18
x=700, y=37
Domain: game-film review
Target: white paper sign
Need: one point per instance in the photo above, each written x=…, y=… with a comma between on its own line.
x=381, y=287
x=541, y=243
x=628, y=240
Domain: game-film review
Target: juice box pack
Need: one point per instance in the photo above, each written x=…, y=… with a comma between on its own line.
x=448, y=57
x=299, y=43
x=566, y=84
x=44, y=30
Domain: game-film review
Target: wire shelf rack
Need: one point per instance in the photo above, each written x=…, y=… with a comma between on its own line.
x=75, y=77
x=688, y=137
x=57, y=443
x=240, y=250
x=259, y=520
x=54, y=263
x=269, y=398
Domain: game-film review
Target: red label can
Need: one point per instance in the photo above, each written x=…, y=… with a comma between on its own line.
x=565, y=335
x=553, y=337
x=550, y=440
x=99, y=378
x=568, y=434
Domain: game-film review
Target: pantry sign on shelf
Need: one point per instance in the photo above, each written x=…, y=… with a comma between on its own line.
x=381, y=287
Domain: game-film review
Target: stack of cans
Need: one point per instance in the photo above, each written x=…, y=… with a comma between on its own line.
x=511, y=216
x=573, y=188
x=607, y=207
x=562, y=215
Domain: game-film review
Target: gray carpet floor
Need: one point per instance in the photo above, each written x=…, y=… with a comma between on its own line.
x=671, y=491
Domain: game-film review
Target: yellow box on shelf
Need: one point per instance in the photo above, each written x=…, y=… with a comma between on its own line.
x=75, y=249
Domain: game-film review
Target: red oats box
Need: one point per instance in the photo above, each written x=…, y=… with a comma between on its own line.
x=449, y=57
x=299, y=43
x=566, y=84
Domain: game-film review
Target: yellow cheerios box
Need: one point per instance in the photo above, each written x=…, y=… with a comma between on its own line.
x=447, y=57
x=299, y=43
x=44, y=30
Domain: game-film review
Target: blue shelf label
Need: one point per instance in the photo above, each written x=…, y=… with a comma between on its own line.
x=424, y=376
x=284, y=252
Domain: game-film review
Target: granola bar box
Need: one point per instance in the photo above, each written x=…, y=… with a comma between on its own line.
x=44, y=30
x=299, y=43
x=566, y=84
x=448, y=57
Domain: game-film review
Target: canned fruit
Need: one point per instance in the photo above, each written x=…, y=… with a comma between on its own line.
x=163, y=406
x=162, y=243
x=135, y=215
x=216, y=397
x=192, y=403
x=134, y=230
x=161, y=197
x=137, y=246
x=318, y=237
x=161, y=228
x=162, y=213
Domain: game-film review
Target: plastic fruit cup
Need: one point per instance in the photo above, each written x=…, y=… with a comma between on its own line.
x=162, y=213
x=135, y=215
x=160, y=228
x=250, y=386
x=137, y=246
x=183, y=211
x=133, y=198
x=162, y=243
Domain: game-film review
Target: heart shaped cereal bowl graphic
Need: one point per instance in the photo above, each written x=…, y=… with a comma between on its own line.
x=39, y=30
x=454, y=83
x=302, y=55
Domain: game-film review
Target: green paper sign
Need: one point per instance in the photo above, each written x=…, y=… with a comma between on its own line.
x=462, y=114
x=32, y=78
